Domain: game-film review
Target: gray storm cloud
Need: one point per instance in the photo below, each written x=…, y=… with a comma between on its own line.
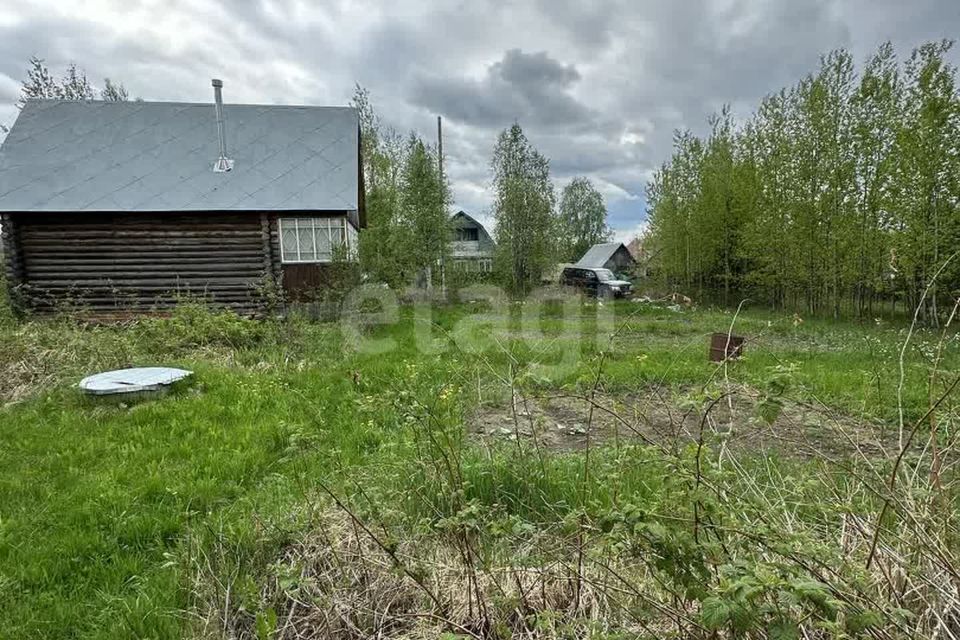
x=522, y=87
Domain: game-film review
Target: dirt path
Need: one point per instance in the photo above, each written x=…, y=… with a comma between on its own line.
x=744, y=421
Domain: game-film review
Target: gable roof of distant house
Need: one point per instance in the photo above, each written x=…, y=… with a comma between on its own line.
x=158, y=156
x=467, y=217
x=598, y=255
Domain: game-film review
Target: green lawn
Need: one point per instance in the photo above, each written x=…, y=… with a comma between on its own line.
x=104, y=506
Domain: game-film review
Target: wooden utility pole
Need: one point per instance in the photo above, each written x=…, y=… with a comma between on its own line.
x=440, y=145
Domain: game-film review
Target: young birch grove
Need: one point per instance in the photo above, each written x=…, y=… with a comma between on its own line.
x=839, y=195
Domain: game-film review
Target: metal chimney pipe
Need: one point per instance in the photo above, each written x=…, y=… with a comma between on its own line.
x=223, y=163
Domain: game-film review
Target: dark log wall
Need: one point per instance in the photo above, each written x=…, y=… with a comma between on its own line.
x=273, y=229
x=134, y=261
x=12, y=259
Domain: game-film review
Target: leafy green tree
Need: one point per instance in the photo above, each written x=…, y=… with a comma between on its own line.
x=383, y=155
x=722, y=203
x=406, y=200
x=766, y=238
x=424, y=196
x=928, y=148
x=673, y=197
x=876, y=108
x=524, y=211
x=828, y=174
x=583, y=219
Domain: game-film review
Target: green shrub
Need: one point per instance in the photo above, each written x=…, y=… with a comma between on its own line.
x=194, y=324
x=13, y=301
x=458, y=278
x=6, y=304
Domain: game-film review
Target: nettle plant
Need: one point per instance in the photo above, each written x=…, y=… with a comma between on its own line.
x=772, y=600
x=726, y=584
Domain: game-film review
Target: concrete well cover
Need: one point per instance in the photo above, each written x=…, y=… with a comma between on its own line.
x=132, y=380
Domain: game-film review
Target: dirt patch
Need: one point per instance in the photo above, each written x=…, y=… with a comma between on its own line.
x=743, y=421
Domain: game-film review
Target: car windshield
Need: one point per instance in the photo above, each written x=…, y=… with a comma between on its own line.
x=604, y=275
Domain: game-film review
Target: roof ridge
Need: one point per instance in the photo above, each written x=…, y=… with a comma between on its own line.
x=259, y=105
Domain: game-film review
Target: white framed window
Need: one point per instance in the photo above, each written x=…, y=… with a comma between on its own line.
x=483, y=265
x=315, y=239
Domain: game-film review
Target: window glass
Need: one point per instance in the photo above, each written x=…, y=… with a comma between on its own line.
x=313, y=239
x=305, y=239
x=322, y=238
x=467, y=234
x=351, y=240
x=288, y=241
x=605, y=274
x=336, y=235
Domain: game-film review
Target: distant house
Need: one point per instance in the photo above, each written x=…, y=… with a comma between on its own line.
x=608, y=255
x=473, y=247
x=126, y=205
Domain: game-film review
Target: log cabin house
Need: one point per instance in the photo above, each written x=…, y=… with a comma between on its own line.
x=127, y=206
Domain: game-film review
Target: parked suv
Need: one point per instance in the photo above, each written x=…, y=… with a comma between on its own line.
x=596, y=282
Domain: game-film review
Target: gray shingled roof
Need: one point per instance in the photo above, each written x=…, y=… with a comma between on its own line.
x=597, y=255
x=158, y=156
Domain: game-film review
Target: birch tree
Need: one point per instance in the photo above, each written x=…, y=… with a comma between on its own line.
x=383, y=155
x=73, y=85
x=583, y=219
x=523, y=208
x=876, y=108
x=423, y=221
x=927, y=182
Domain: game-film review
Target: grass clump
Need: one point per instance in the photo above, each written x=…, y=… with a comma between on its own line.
x=7, y=317
x=193, y=325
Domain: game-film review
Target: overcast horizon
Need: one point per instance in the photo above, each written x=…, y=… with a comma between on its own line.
x=599, y=87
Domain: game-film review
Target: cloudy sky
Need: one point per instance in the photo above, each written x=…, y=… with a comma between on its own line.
x=599, y=86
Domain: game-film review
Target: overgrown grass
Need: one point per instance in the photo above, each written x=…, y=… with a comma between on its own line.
x=169, y=517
